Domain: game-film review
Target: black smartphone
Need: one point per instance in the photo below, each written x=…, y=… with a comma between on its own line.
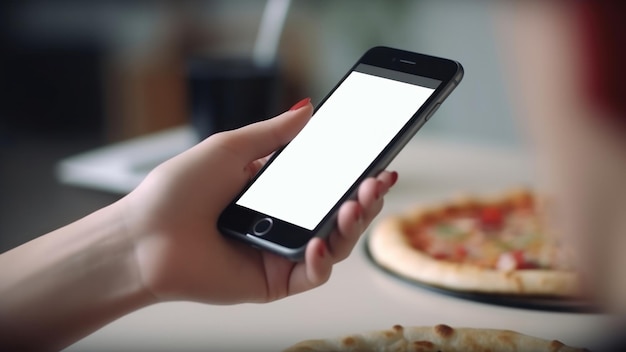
x=356, y=131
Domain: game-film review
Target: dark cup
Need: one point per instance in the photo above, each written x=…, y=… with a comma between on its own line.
x=226, y=94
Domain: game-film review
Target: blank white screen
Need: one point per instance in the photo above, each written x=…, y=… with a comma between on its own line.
x=338, y=144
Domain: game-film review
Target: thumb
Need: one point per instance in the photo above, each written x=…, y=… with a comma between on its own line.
x=262, y=138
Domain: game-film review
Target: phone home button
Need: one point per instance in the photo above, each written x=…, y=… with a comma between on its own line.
x=262, y=226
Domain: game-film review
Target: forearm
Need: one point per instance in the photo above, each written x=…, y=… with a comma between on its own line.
x=64, y=285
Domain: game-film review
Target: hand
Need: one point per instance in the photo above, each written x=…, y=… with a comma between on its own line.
x=171, y=218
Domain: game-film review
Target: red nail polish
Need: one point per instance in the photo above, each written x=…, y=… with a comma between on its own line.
x=300, y=104
x=322, y=250
x=394, y=177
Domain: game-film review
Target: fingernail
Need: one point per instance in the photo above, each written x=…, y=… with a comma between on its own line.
x=300, y=104
x=394, y=177
x=322, y=250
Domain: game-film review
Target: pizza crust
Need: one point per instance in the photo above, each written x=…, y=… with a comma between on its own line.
x=390, y=248
x=434, y=338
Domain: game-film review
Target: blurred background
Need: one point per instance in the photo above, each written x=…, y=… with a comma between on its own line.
x=76, y=76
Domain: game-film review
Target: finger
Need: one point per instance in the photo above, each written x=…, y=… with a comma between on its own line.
x=370, y=197
x=389, y=178
x=355, y=216
x=371, y=192
x=259, y=139
x=256, y=165
x=350, y=225
x=314, y=270
x=319, y=258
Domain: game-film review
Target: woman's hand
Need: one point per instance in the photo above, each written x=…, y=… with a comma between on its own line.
x=161, y=242
x=172, y=219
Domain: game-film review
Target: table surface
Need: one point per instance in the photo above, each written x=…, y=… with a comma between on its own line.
x=359, y=296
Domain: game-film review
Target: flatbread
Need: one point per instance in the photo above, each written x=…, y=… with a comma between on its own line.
x=434, y=338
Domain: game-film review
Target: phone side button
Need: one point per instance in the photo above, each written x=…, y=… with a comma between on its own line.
x=432, y=112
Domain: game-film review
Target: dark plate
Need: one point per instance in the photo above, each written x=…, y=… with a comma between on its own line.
x=536, y=303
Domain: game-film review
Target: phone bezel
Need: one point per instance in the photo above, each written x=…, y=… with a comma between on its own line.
x=290, y=240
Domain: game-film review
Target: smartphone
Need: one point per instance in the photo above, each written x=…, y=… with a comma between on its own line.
x=355, y=132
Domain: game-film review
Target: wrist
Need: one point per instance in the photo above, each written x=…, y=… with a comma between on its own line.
x=125, y=246
x=88, y=268
x=141, y=231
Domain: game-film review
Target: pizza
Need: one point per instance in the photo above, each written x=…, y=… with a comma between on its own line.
x=501, y=244
x=434, y=338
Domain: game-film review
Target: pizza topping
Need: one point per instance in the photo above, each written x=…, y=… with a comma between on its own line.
x=449, y=230
x=515, y=260
x=504, y=235
x=506, y=262
x=492, y=218
x=460, y=252
x=448, y=245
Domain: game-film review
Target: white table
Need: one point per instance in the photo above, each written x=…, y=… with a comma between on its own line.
x=359, y=297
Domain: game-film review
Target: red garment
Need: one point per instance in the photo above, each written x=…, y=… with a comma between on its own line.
x=603, y=34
